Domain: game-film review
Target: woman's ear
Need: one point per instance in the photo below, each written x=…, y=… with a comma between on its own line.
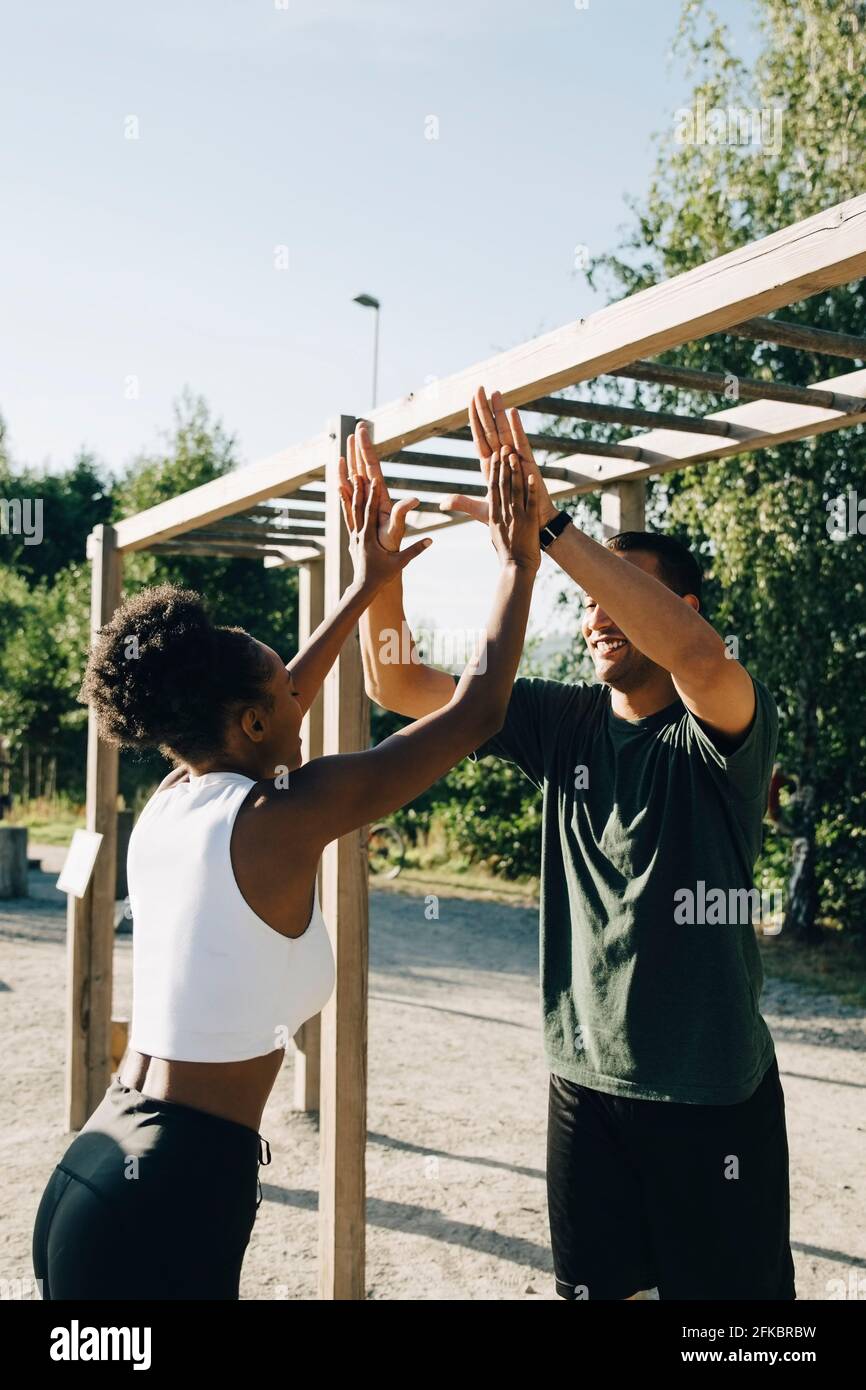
x=252, y=725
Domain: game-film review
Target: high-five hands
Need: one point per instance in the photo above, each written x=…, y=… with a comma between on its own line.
x=495, y=429
x=512, y=503
x=375, y=526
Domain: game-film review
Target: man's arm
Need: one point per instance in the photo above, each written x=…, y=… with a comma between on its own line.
x=393, y=674
x=315, y=659
x=406, y=685
x=672, y=633
x=667, y=629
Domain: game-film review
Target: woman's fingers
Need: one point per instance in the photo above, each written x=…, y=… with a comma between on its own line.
x=368, y=458
x=505, y=475
x=531, y=498
x=358, y=497
x=371, y=511
x=412, y=550
x=494, y=494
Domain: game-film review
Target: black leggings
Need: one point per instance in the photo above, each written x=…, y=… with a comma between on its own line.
x=151, y=1200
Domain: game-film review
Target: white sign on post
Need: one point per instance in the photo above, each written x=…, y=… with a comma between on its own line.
x=79, y=862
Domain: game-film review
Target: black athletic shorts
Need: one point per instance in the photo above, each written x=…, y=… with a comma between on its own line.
x=151, y=1200
x=691, y=1200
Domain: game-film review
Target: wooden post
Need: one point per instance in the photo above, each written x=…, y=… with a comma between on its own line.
x=343, y=1104
x=90, y=920
x=623, y=508
x=311, y=611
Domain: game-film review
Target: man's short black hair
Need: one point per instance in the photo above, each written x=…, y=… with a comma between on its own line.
x=677, y=565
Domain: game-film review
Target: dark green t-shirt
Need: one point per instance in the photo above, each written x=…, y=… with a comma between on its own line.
x=646, y=990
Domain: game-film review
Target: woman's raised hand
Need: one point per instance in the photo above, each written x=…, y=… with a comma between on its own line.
x=375, y=527
x=512, y=502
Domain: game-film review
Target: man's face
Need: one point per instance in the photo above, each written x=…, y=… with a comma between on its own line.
x=617, y=662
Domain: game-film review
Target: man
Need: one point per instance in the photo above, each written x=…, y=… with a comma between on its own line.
x=667, y=1158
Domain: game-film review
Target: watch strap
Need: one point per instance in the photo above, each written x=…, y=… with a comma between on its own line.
x=552, y=529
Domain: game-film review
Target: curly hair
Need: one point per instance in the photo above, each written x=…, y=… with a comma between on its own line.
x=162, y=675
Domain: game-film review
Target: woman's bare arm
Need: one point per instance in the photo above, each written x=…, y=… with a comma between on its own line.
x=330, y=796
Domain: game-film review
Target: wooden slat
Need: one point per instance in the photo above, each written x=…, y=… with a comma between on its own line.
x=90, y=920
x=747, y=388
x=570, y=444
x=343, y=1086
x=770, y=424
x=621, y=415
x=802, y=335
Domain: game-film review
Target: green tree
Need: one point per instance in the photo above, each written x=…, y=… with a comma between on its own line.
x=792, y=596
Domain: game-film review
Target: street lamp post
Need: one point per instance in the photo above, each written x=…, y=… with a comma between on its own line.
x=368, y=301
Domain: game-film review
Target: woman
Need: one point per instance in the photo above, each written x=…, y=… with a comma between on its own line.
x=156, y=1197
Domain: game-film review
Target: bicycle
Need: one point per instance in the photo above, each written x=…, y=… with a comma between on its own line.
x=386, y=850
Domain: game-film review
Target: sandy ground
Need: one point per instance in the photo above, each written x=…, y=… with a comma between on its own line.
x=457, y=1106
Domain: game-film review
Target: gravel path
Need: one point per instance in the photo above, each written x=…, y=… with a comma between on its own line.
x=457, y=1109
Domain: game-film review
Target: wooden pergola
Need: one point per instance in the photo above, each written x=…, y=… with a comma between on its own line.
x=285, y=509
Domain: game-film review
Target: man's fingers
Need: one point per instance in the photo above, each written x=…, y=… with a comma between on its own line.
x=350, y=454
x=482, y=448
x=488, y=424
x=476, y=507
x=521, y=443
x=412, y=550
x=503, y=428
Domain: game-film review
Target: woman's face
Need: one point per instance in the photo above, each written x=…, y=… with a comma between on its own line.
x=280, y=747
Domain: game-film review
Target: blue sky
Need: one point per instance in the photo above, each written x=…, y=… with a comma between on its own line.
x=305, y=127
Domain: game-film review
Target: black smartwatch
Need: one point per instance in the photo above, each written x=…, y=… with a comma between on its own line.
x=548, y=533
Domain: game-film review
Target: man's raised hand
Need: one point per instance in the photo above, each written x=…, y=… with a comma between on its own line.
x=495, y=430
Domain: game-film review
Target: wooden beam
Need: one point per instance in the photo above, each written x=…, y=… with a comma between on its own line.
x=343, y=1087
x=224, y=496
x=311, y=611
x=815, y=254
x=90, y=920
x=287, y=555
x=790, y=265
x=740, y=387
x=802, y=335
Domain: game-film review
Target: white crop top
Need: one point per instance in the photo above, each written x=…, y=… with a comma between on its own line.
x=211, y=981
